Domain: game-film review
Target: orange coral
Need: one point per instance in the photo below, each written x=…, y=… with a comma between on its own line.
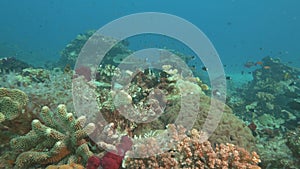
x=66, y=166
x=189, y=152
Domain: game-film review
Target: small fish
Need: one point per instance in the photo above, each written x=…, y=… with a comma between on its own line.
x=204, y=68
x=242, y=72
x=193, y=67
x=229, y=23
x=267, y=67
x=259, y=63
x=217, y=93
x=293, y=83
x=252, y=126
x=249, y=64
x=228, y=78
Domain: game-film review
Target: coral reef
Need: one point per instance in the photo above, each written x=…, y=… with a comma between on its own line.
x=12, y=101
x=269, y=102
x=57, y=138
x=189, y=152
x=37, y=75
x=138, y=102
x=70, y=53
x=55, y=89
x=11, y=64
x=43, y=87
x=275, y=153
x=230, y=129
x=293, y=142
x=156, y=97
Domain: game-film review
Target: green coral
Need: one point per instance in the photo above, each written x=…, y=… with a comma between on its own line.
x=58, y=138
x=11, y=103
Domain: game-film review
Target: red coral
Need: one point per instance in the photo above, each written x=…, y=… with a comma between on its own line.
x=113, y=159
x=93, y=162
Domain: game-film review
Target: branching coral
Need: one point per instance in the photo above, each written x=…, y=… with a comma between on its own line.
x=58, y=137
x=189, y=152
x=11, y=103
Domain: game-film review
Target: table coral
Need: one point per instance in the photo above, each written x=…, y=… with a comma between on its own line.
x=58, y=137
x=11, y=103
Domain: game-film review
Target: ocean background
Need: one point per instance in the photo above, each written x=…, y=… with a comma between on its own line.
x=36, y=31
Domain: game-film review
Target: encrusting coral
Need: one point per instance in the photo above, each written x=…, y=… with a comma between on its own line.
x=11, y=103
x=58, y=137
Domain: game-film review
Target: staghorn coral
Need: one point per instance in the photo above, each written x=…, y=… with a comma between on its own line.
x=189, y=152
x=58, y=137
x=12, y=101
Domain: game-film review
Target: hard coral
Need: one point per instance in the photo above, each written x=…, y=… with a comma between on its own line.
x=11, y=103
x=60, y=138
x=189, y=152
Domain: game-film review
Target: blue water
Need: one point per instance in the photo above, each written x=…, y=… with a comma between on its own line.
x=240, y=30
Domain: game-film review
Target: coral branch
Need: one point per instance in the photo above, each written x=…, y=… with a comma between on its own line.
x=59, y=137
